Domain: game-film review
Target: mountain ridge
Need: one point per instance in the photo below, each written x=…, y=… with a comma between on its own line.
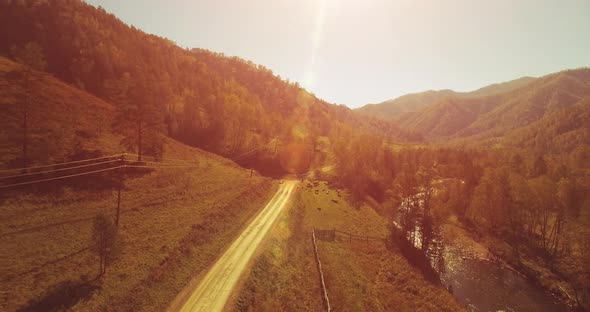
x=497, y=116
x=225, y=105
x=414, y=102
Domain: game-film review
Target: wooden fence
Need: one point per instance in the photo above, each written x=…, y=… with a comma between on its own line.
x=333, y=235
x=319, y=264
x=325, y=235
x=352, y=237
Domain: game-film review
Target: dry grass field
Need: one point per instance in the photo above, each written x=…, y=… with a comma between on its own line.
x=360, y=275
x=174, y=221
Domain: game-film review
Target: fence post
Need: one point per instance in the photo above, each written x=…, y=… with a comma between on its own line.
x=319, y=265
x=122, y=162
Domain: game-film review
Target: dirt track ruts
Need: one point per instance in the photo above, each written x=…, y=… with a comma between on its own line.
x=213, y=291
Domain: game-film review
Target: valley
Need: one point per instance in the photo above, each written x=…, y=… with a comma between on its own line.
x=142, y=174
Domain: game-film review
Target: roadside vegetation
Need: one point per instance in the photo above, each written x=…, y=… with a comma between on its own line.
x=511, y=166
x=284, y=276
x=532, y=209
x=360, y=275
x=173, y=221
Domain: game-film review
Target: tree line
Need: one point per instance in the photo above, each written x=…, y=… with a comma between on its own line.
x=223, y=104
x=535, y=202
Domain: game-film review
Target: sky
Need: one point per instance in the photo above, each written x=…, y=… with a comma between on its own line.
x=356, y=52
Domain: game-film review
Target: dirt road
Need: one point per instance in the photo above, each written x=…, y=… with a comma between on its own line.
x=214, y=289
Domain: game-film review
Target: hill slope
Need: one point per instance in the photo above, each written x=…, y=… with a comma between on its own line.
x=404, y=104
x=174, y=221
x=501, y=87
x=204, y=99
x=62, y=121
x=478, y=118
x=167, y=214
x=415, y=102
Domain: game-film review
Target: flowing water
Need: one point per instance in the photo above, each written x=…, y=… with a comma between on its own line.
x=488, y=285
x=477, y=280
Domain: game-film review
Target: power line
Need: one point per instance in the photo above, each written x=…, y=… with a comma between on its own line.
x=163, y=159
x=164, y=166
x=156, y=162
x=162, y=162
x=61, y=177
x=96, y=171
x=56, y=170
x=16, y=119
x=255, y=149
x=310, y=171
x=60, y=164
x=249, y=152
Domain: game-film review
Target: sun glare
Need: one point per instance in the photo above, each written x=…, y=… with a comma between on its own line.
x=309, y=78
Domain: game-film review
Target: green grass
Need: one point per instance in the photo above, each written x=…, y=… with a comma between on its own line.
x=283, y=276
x=396, y=147
x=63, y=120
x=360, y=276
x=174, y=222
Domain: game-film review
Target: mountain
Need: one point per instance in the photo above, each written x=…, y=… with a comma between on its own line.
x=223, y=104
x=404, y=104
x=501, y=87
x=46, y=228
x=414, y=102
x=513, y=113
x=493, y=116
x=558, y=132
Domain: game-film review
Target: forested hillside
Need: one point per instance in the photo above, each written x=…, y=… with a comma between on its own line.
x=401, y=108
x=408, y=103
x=496, y=116
x=46, y=227
x=45, y=120
x=501, y=87
x=510, y=162
x=226, y=105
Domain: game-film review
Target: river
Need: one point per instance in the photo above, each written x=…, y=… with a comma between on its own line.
x=477, y=280
x=486, y=285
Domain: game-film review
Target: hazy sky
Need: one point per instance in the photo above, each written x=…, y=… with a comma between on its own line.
x=366, y=51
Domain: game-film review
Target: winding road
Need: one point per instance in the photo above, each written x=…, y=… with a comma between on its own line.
x=214, y=290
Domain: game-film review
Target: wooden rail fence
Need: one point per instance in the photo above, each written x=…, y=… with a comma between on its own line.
x=319, y=264
x=333, y=234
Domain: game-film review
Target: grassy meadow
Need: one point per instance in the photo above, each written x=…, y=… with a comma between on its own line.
x=174, y=221
x=360, y=276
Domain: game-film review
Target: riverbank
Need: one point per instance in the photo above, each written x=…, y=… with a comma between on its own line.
x=485, y=248
x=360, y=275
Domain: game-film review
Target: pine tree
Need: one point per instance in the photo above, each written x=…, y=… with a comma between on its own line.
x=32, y=57
x=139, y=117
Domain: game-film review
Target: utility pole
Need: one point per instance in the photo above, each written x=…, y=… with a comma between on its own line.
x=122, y=161
x=26, y=120
x=25, y=134
x=310, y=159
x=139, y=134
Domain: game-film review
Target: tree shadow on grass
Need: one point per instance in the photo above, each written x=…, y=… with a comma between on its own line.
x=61, y=296
x=37, y=269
